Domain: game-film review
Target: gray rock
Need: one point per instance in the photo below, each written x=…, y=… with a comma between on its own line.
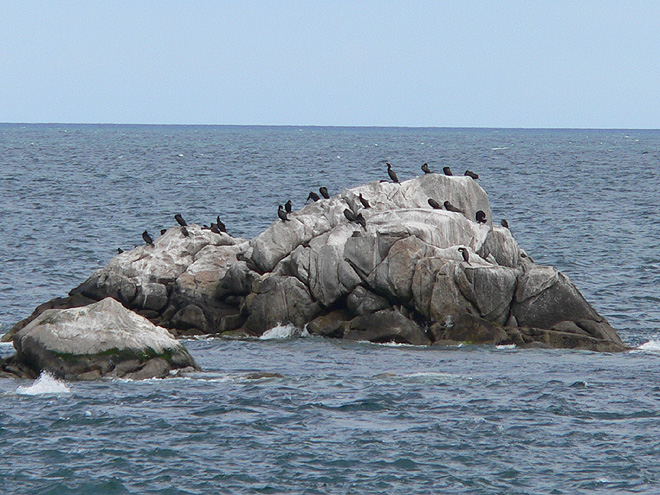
x=103, y=339
x=386, y=326
x=364, y=302
x=278, y=300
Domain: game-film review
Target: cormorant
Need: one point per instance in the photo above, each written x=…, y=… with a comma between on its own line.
x=120, y=250
x=282, y=214
x=426, y=169
x=313, y=196
x=184, y=231
x=391, y=173
x=469, y=173
x=147, y=238
x=288, y=206
x=221, y=226
x=350, y=216
x=481, y=217
x=447, y=171
x=360, y=219
x=364, y=202
x=504, y=223
x=162, y=231
x=466, y=255
x=324, y=192
x=434, y=204
x=215, y=228
x=451, y=207
x=179, y=219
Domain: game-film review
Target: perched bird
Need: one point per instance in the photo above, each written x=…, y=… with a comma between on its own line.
x=364, y=202
x=447, y=171
x=147, y=238
x=215, y=228
x=184, y=231
x=324, y=192
x=434, y=204
x=360, y=219
x=221, y=226
x=162, y=231
x=471, y=174
x=282, y=214
x=350, y=216
x=451, y=207
x=120, y=250
x=504, y=223
x=391, y=173
x=426, y=169
x=288, y=206
x=481, y=217
x=179, y=219
x=466, y=255
x=313, y=196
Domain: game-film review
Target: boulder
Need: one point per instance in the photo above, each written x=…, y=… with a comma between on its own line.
x=103, y=339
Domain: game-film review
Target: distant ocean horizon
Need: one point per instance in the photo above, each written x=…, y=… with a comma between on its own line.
x=335, y=417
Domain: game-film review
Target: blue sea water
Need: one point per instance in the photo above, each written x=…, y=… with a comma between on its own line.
x=306, y=415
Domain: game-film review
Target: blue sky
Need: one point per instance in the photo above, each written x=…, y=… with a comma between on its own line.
x=381, y=63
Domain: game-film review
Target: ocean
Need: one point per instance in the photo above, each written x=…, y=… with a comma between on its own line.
x=293, y=414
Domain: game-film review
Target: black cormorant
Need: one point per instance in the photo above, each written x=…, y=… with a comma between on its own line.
x=451, y=207
x=447, y=171
x=313, y=196
x=282, y=214
x=147, y=238
x=434, y=204
x=426, y=169
x=288, y=206
x=504, y=223
x=179, y=219
x=466, y=255
x=324, y=192
x=391, y=173
x=364, y=202
x=469, y=173
x=481, y=217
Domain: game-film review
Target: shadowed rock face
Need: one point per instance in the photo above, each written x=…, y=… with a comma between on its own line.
x=402, y=278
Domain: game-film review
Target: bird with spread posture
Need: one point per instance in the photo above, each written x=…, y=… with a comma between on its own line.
x=282, y=214
x=147, y=238
x=426, y=169
x=434, y=204
x=324, y=192
x=469, y=173
x=179, y=219
x=221, y=226
x=364, y=202
x=392, y=174
x=312, y=196
x=447, y=171
x=466, y=255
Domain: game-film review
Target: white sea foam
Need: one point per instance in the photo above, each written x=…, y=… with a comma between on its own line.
x=280, y=332
x=650, y=346
x=506, y=346
x=46, y=384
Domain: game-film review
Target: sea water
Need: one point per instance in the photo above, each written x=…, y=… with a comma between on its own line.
x=297, y=414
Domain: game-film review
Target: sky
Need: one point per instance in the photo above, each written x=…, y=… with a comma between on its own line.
x=543, y=64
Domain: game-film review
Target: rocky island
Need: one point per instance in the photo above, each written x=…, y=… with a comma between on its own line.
x=381, y=262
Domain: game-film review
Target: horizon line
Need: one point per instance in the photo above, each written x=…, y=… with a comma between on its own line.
x=333, y=126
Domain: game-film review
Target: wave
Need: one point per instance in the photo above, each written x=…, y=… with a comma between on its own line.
x=279, y=332
x=46, y=384
x=650, y=346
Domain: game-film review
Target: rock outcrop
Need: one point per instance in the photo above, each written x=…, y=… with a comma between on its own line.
x=103, y=339
x=398, y=276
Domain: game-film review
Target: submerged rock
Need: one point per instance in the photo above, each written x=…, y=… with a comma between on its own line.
x=397, y=275
x=103, y=339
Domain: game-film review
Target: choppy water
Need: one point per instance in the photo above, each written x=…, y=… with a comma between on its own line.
x=304, y=415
